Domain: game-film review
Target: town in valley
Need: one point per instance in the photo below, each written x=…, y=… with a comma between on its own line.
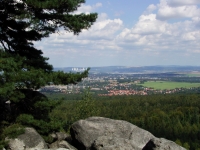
x=112, y=81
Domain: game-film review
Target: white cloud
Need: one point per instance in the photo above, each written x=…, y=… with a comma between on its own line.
x=150, y=9
x=87, y=8
x=154, y=33
x=167, y=12
x=176, y=3
x=148, y=24
x=104, y=29
x=100, y=37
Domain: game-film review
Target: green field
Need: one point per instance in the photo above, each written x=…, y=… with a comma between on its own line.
x=161, y=85
x=193, y=75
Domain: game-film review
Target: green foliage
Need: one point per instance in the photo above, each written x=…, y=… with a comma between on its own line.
x=186, y=145
x=169, y=116
x=163, y=85
x=23, y=22
x=43, y=127
x=178, y=142
x=30, y=20
x=3, y=144
x=86, y=107
x=48, y=139
x=24, y=69
x=11, y=131
x=69, y=112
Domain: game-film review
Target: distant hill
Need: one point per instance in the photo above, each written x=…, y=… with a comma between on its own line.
x=125, y=69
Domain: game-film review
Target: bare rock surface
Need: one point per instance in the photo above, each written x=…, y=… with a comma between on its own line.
x=98, y=133
x=85, y=132
x=48, y=149
x=62, y=144
x=162, y=144
x=30, y=139
x=112, y=143
x=58, y=136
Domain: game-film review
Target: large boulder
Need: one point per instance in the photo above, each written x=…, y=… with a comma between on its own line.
x=85, y=132
x=100, y=133
x=30, y=139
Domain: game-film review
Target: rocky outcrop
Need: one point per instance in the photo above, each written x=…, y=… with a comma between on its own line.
x=30, y=139
x=98, y=133
x=62, y=140
x=61, y=144
x=58, y=136
x=161, y=144
x=95, y=133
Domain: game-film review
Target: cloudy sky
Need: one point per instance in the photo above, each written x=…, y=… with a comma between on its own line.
x=131, y=33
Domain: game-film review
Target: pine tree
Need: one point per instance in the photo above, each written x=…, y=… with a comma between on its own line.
x=25, y=21
x=23, y=68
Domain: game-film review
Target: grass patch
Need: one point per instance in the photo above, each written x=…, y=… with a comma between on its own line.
x=161, y=85
x=193, y=75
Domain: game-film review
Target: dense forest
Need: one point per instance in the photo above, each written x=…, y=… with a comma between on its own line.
x=174, y=117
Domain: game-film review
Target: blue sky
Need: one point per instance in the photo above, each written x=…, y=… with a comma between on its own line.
x=130, y=33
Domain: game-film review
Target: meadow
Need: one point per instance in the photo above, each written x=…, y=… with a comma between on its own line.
x=162, y=85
